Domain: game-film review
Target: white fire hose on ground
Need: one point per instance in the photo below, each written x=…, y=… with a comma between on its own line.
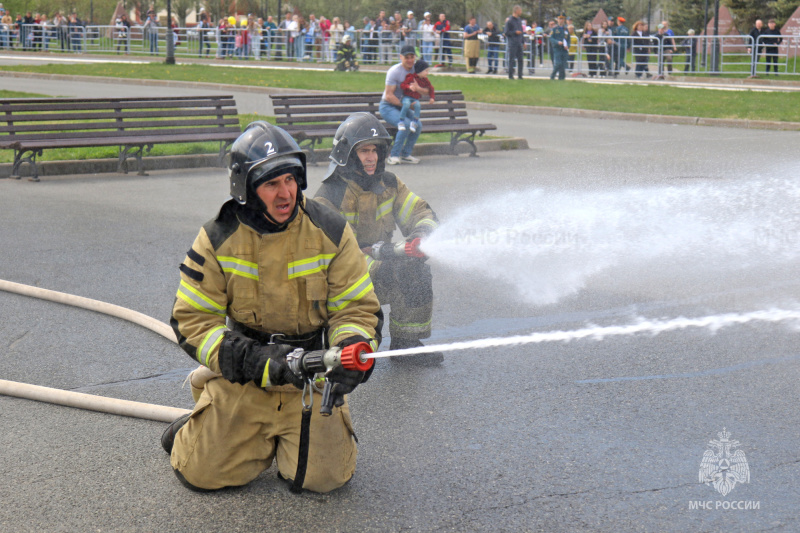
x=161, y=413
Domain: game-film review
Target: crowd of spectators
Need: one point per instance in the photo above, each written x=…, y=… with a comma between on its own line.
x=298, y=37
x=35, y=31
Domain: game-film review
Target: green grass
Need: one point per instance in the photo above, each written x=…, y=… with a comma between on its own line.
x=629, y=98
x=17, y=94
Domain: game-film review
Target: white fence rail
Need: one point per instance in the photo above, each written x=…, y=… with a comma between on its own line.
x=602, y=56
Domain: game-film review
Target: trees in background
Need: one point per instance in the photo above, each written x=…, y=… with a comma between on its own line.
x=682, y=14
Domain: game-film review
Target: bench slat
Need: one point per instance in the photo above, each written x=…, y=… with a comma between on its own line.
x=121, y=99
x=313, y=120
x=143, y=135
x=18, y=129
x=298, y=110
x=89, y=115
x=123, y=141
x=455, y=94
x=91, y=105
x=438, y=128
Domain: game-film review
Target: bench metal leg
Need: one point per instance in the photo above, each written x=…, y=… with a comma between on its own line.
x=20, y=158
x=307, y=145
x=224, y=147
x=466, y=137
x=132, y=151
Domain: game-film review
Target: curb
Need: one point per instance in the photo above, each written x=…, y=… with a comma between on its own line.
x=102, y=166
x=636, y=117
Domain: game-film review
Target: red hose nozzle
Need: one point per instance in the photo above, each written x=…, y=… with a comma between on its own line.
x=352, y=357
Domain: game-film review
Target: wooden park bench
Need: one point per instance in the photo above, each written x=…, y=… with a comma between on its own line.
x=29, y=126
x=311, y=118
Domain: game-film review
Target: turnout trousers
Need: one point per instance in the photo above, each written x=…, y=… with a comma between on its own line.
x=236, y=431
x=407, y=287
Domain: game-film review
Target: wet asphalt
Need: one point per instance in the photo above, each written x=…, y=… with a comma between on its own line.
x=590, y=435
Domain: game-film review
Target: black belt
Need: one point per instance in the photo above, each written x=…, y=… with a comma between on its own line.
x=308, y=341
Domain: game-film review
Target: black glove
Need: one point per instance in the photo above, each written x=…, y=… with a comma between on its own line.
x=278, y=372
x=242, y=359
x=344, y=381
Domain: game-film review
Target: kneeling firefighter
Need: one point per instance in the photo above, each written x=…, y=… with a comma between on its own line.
x=273, y=275
x=375, y=201
x=346, y=56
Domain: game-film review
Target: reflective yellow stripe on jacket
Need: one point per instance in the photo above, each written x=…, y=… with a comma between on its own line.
x=198, y=300
x=238, y=267
x=384, y=209
x=427, y=222
x=210, y=341
x=408, y=207
x=351, y=328
x=353, y=293
x=304, y=267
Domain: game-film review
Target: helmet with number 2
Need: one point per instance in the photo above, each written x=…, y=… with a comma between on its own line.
x=358, y=128
x=261, y=153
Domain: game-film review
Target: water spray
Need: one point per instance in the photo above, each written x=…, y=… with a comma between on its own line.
x=540, y=246
x=654, y=327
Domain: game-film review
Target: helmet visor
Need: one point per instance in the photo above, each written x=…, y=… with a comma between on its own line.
x=272, y=168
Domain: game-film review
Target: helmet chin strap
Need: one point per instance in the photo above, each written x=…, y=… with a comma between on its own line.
x=254, y=203
x=354, y=169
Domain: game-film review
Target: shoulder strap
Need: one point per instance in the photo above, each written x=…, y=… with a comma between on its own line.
x=333, y=190
x=329, y=221
x=223, y=226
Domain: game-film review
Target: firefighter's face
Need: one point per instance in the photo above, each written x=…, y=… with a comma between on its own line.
x=368, y=155
x=279, y=195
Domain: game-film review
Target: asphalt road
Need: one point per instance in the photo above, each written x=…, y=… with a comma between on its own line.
x=604, y=435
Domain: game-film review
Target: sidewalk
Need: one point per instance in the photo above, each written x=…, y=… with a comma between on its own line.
x=768, y=84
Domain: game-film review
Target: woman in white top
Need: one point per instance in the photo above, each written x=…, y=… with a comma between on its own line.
x=428, y=38
x=254, y=30
x=297, y=37
x=336, y=31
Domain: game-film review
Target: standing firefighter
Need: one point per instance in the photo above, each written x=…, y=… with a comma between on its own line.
x=271, y=273
x=375, y=201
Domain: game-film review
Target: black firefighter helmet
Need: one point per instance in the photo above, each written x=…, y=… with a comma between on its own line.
x=358, y=128
x=261, y=153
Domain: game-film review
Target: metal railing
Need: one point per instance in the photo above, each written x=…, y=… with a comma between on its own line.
x=609, y=56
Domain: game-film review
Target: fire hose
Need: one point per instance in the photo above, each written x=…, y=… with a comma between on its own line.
x=357, y=358
x=302, y=363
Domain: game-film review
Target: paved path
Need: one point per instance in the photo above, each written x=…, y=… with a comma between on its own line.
x=592, y=435
x=761, y=83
